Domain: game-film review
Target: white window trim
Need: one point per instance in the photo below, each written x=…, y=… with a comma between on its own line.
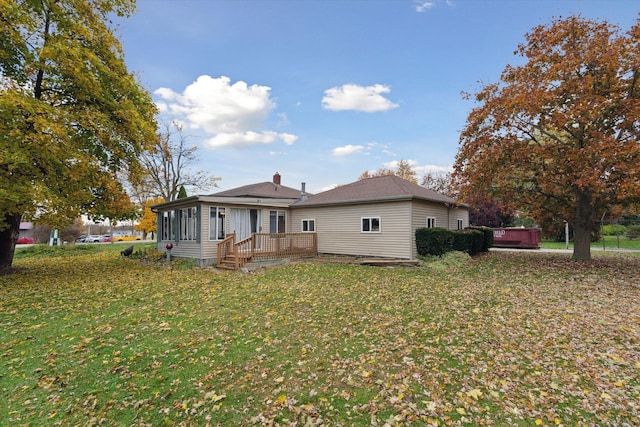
x=459, y=224
x=188, y=220
x=370, y=218
x=167, y=226
x=433, y=221
x=217, y=208
x=279, y=213
x=308, y=221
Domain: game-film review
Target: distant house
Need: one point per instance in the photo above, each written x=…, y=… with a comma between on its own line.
x=374, y=217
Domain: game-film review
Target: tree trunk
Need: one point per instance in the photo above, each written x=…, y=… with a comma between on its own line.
x=582, y=227
x=8, y=238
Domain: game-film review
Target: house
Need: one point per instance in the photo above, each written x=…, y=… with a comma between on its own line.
x=374, y=217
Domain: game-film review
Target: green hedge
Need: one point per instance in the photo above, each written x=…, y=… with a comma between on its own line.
x=469, y=241
x=633, y=231
x=488, y=237
x=438, y=241
x=433, y=241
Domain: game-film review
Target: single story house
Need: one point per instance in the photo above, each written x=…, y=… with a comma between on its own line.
x=373, y=217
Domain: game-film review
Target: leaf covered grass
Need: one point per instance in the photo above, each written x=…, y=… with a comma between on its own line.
x=501, y=339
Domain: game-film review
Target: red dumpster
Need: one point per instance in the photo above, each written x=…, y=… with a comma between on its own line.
x=524, y=238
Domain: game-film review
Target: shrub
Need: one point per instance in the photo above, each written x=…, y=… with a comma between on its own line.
x=487, y=240
x=462, y=241
x=633, y=231
x=478, y=242
x=469, y=241
x=433, y=241
x=613, y=230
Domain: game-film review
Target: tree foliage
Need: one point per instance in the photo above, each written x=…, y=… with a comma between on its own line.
x=402, y=170
x=167, y=166
x=488, y=212
x=440, y=182
x=559, y=134
x=182, y=193
x=149, y=221
x=71, y=115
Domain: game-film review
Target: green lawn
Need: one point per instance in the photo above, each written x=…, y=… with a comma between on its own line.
x=89, y=338
x=610, y=243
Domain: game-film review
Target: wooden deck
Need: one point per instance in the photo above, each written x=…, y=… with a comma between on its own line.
x=265, y=246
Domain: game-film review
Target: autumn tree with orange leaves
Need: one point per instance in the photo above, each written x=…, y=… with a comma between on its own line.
x=560, y=133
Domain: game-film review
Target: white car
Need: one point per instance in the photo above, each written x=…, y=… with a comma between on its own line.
x=97, y=239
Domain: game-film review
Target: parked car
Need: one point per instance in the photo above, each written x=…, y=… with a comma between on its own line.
x=126, y=238
x=105, y=238
x=25, y=240
x=81, y=238
x=93, y=239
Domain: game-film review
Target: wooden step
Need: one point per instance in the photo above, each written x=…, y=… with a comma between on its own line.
x=229, y=263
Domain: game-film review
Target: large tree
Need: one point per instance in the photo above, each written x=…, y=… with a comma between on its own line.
x=440, y=182
x=71, y=114
x=403, y=170
x=560, y=132
x=168, y=165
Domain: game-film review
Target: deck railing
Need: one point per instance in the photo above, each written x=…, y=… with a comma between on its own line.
x=263, y=246
x=226, y=247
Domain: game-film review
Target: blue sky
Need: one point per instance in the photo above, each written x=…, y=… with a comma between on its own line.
x=321, y=91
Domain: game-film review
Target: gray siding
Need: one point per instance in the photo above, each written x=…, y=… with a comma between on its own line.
x=455, y=215
x=421, y=210
x=185, y=249
x=209, y=248
x=338, y=229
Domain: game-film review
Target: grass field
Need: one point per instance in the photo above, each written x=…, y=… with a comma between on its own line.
x=89, y=338
x=610, y=243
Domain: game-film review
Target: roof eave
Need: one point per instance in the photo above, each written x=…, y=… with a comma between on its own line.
x=352, y=202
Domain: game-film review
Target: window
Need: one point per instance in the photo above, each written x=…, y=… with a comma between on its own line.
x=276, y=222
x=216, y=223
x=188, y=223
x=431, y=222
x=459, y=224
x=370, y=225
x=167, y=225
x=308, y=225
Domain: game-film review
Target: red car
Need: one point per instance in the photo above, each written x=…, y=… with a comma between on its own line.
x=25, y=240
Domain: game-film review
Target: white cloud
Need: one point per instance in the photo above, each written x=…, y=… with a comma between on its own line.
x=347, y=150
x=288, y=138
x=328, y=187
x=233, y=114
x=244, y=139
x=359, y=98
x=283, y=119
x=423, y=6
x=420, y=170
x=394, y=164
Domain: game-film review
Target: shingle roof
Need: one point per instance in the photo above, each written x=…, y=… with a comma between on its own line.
x=379, y=188
x=263, y=190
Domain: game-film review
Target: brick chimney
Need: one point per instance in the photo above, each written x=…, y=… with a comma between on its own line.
x=276, y=178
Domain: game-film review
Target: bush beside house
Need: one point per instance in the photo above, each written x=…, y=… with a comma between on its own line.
x=438, y=241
